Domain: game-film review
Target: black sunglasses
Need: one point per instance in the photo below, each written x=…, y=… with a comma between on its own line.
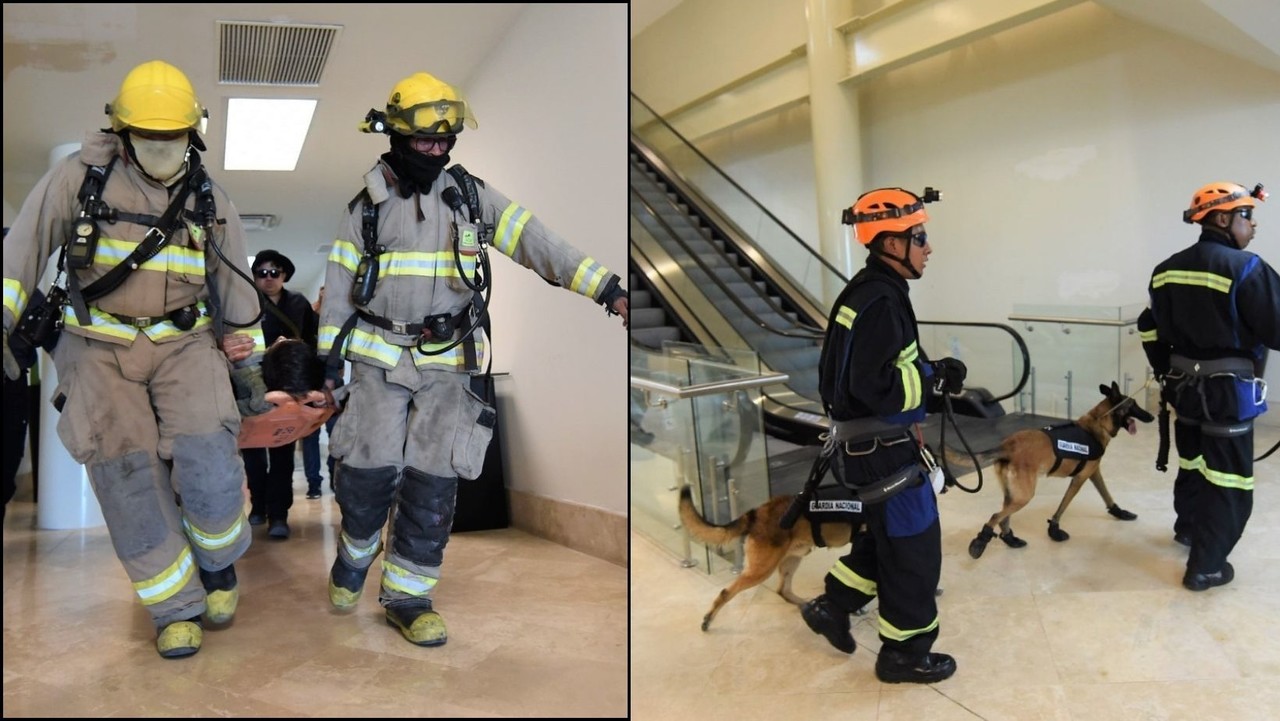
x=1245, y=212
x=920, y=239
x=269, y=272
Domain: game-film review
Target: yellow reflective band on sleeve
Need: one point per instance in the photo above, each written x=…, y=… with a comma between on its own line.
x=328, y=334
x=213, y=541
x=364, y=344
x=1211, y=281
x=1217, y=478
x=259, y=341
x=360, y=552
x=169, y=581
x=588, y=277
x=889, y=631
x=845, y=316
x=403, y=580
x=906, y=363
x=510, y=226
x=346, y=254
x=1148, y=336
x=845, y=575
x=15, y=298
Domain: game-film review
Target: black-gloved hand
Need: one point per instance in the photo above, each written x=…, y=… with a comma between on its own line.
x=949, y=375
x=250, y=390
x=12, y=369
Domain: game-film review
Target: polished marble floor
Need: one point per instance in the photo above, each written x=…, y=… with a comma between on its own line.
x=1097, y=628
x=535, y=630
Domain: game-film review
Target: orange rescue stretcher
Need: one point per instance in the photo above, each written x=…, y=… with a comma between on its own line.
x=288, y=420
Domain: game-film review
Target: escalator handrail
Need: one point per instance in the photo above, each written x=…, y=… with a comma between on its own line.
x=1017, y=338
x=785, y=228
x=807, y=332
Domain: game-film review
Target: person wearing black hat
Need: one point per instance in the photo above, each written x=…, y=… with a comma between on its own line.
x=270, y=470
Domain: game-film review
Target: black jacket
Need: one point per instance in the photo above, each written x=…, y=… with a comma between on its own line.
x=299, y=311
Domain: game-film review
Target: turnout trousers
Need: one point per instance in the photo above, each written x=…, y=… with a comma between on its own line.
x=150, y=420
x=404, y=438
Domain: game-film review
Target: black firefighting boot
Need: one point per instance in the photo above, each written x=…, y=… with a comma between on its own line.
x=1205, y=581
x=823, y=617
x=222, y=594
x=345, y=584
x=180, y=638
x=417, y=622
x=894, y=666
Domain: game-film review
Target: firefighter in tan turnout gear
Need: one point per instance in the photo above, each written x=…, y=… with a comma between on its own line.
x=408, y=283
x=144, y=244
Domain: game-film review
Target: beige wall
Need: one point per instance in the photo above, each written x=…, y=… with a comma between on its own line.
x=1067, y=148
x=562, y=156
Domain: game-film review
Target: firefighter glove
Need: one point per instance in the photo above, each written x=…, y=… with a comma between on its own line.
x=949, y=375
x=250, y=390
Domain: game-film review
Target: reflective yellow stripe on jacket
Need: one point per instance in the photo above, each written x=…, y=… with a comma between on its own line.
x=1187, y=277
x=906, y=363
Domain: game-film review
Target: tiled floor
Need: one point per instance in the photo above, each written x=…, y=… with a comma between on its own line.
x=535, y=630
x=1096, y=628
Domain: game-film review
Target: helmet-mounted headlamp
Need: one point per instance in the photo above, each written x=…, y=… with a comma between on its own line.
x=375, y=122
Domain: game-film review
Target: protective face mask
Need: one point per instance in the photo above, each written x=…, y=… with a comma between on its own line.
x=161, y=159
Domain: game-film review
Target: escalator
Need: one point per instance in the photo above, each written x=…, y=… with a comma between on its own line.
x=699, y=278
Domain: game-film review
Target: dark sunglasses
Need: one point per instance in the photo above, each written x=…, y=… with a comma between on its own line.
x=920, y=239
x=1245, y=212
x=269, y=272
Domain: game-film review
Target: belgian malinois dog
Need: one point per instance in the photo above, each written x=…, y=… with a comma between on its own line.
x=1027, y=455
x=768, y=546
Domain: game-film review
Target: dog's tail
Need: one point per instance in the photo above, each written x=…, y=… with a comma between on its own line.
x=708, y=532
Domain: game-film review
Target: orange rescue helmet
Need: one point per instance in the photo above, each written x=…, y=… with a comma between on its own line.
x=1221, y=196
x=887, y=210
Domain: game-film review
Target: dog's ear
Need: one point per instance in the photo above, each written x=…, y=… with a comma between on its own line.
x=1115, y=388
x=1104, y=391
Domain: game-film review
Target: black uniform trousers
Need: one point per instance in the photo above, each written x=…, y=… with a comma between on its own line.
x=901, y=568
x=1218, y=513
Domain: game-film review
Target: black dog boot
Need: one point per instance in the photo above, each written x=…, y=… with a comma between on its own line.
x=1205, y=581
x=979, y=543
x=1011, y=540
x=822, y=617
x=1120, y=513
x=896, y=667
x=1056, y=532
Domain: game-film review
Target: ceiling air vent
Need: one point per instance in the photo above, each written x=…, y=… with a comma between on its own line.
x=259, y=221
x=258, y=53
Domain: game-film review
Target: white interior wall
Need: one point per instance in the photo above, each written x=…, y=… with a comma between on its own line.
x=559, y=150
x=1066, y=148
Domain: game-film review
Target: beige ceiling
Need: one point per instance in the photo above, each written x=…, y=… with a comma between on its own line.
x=64, y=62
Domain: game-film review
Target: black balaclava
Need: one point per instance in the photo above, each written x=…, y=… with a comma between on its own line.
x=415, y=171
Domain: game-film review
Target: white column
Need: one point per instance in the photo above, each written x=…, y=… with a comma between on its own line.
x=66, y=499
x=837, y=136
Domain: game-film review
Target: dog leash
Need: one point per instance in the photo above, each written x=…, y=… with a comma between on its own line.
x=949, y=477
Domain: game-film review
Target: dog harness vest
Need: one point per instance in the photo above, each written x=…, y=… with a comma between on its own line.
x=1071, y=442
